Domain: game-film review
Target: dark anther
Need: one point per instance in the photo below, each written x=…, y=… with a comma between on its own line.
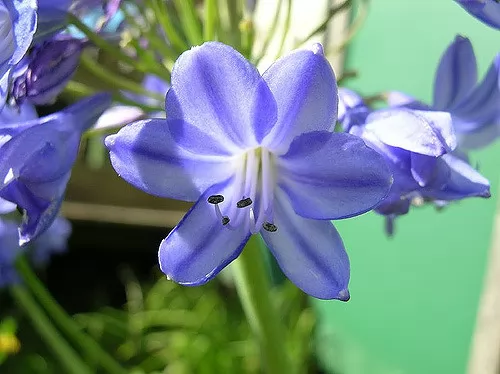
x=225, y=220
x=215, y=199
x=19, y=209
x=268, y=226
x=244, y=203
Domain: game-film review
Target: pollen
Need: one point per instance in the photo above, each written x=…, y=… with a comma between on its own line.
x=244, y=202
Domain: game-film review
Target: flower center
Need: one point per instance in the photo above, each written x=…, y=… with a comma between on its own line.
x=251, y=200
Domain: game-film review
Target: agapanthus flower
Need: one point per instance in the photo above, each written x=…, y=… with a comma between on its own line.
x=475, y=107
x=36, y=159
x=419, y=146
x=47, y=70
x=17, y=27
x=488, y=11
x=257, y=155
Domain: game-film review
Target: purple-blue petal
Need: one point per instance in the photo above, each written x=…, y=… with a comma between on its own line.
x=310, y=252
x=456, y=74
x=352, y=110
x=217, y=90
x=199, y=247
x=332, y=175
x=304, y=86
x=146, y=154
x=422, y=167
x=425, y=132
x=461, y=181
x=488, y=11
x=401, y=99
x=482, y=106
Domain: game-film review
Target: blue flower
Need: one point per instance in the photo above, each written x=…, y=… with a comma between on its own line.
x=54, y=240
x=419, y=146
x=36, y=160
x=53, y=14
x=257, y=155
x=352, y=109
x=475, y=107
x=487, y=11
x=46, y=71
x=9, y=250
x=17, y=27
x=118, y=115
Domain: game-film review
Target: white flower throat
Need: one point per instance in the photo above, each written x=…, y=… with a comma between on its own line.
x=252, y=195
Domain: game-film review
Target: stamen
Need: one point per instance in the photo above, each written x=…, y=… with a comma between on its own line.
x=244, y=203
x=215, y=199
x=268, y=226
x=218, y=212
x=225, y=220
x=252, y=222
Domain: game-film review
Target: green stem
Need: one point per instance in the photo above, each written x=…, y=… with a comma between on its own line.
x=115, y=51
x=64, y=353
x=162, y=15
x=116, y=81
x=288, y=21
x=65, y=322
x=252, y=283
x=190, y=22
x=210, y=20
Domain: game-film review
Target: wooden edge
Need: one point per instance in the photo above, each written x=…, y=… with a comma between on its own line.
x=121, y=215
x=485, y=350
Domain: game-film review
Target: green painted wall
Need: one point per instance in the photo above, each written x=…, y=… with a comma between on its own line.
x=414, y=297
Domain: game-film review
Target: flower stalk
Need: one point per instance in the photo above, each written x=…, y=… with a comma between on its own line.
x=65, y=354
x=65, y=322
x=252, y=283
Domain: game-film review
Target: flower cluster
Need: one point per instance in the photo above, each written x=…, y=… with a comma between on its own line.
x=256, y=153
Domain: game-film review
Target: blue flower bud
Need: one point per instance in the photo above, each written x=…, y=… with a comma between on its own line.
x=49, y=68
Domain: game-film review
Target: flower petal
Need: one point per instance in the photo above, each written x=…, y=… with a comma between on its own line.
x=482, y=107
x=217, y=90
x=24, y=25
x=352, y=110
x=425, y=132
x=422, y=167
x=462, y=181
x=199, y=247
x=147, y=156
x=304, y=86
x=310, y=253
x=487, y=11
x=400, y=99
x=456, y=74
x=332, y=175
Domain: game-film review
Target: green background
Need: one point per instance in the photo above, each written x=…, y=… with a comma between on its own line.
x=413, y=297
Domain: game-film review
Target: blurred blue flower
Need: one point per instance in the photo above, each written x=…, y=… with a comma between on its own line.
x=17, y=27
x=352, y=110
x=487, y=11
x=257, y=155
x=36, y=159
x=9, y=250
x=53, y=14
x=54, y=240
x=475, y=107
x=419, y=146
x=46, y=70
x=118, y=115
